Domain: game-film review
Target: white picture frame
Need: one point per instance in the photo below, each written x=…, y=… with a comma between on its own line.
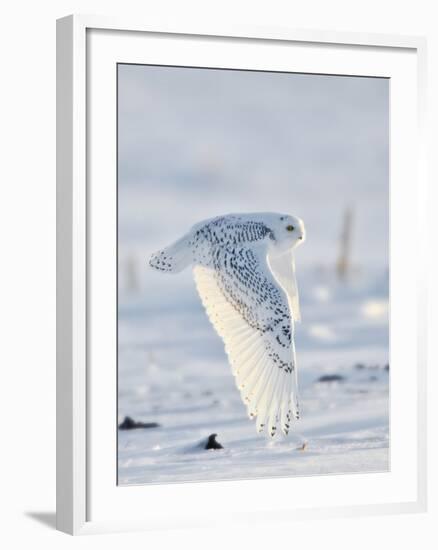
x=76, y=395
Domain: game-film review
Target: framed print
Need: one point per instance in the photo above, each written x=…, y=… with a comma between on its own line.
x=238, y=322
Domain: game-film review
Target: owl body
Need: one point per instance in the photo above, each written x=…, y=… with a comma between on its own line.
x=244, y=272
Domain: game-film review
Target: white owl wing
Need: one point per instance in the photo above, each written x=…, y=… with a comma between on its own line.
x=250, y=311
x=283, y=269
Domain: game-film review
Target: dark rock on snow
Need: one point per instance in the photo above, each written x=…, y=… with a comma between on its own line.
x=331, y=378
x=212, y=443
x=130, y=424
x=361, y=366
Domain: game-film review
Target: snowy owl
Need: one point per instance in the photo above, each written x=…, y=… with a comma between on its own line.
x=244, y=270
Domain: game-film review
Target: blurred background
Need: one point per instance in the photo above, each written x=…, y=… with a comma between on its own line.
x=197, y=143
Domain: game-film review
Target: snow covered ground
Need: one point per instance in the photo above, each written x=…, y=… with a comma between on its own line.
x=173, y=371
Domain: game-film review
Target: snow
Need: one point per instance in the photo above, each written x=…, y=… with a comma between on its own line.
x=184, y=383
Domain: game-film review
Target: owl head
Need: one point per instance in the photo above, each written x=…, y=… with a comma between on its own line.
x=288, y=232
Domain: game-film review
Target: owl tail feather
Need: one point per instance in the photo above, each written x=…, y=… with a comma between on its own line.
x=173, y=258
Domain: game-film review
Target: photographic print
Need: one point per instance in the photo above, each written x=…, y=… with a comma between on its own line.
x=253, y=274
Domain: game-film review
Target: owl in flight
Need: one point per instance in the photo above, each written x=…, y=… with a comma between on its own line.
x=244, y=270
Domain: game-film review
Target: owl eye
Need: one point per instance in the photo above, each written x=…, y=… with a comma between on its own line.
x=290, y=228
